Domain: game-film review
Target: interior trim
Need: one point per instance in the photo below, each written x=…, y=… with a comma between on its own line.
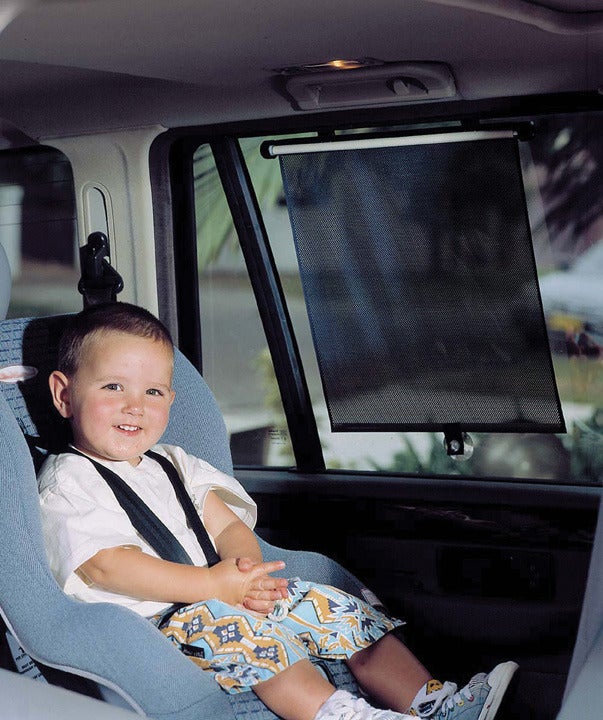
x=549, y=19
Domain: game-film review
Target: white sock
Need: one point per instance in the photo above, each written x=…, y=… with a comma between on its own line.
x=329, y=707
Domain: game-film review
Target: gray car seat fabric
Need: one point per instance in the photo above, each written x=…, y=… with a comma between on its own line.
x=23, y=699
x=584, y=690
x=107, y=643
x=585, y=699
x=5, y=283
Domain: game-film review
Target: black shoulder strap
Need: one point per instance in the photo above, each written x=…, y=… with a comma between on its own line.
x=141, y=516
x=192, y=516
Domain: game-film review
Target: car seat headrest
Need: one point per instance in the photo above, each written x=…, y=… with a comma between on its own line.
x=5, y=283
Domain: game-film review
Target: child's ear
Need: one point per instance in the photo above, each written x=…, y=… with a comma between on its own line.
x=172, y=396
x=59, y=389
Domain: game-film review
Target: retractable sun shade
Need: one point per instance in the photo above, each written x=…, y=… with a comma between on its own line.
x=420, y=282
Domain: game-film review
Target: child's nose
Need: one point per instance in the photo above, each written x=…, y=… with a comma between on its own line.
x=133, y=403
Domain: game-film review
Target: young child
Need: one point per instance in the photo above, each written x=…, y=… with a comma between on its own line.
x=253, y=630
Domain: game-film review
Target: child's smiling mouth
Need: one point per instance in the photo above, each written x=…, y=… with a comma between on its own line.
x=129, y=428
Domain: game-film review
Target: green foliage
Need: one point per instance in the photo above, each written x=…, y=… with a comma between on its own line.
x=215, y=230
x=214, y=223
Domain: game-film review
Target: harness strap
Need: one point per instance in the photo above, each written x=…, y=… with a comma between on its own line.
x=190, y=511
x=144, y=520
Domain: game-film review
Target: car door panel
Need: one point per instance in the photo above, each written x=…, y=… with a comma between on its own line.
x=481, y=571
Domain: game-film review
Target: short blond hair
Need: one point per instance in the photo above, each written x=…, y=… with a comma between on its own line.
x=112, y=316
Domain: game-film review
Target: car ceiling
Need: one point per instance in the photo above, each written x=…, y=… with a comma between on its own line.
x=78, y=66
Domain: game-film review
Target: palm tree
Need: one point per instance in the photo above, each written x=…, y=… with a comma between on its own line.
x=215, y=230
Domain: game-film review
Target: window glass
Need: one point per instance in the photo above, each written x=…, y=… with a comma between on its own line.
x=565, y=180
x=38, y=231
x=236, y=361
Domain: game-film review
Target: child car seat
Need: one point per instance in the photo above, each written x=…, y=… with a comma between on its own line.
x=5, y=283
x=584, y=691
x=110, y=644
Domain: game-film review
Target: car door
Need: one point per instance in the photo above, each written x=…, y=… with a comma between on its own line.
x=485, y=558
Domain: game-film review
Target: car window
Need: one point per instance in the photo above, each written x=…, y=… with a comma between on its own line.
x=236, y=361
x=590, y=262
x=38, y=231
x=561, y=173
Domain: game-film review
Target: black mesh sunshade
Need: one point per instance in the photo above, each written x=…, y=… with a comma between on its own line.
x=421, y=289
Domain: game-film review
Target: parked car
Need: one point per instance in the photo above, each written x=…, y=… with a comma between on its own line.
x=573, y=299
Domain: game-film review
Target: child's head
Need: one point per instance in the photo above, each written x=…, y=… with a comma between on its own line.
x=99, y=319
x=114, y=380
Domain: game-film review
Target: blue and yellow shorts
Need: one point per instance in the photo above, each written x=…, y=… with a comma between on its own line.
x=244, y=649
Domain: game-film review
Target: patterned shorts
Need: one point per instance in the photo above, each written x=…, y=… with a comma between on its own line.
x=244, y=649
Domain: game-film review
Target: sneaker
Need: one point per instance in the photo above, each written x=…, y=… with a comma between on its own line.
x=478, y=700
x=342, y=705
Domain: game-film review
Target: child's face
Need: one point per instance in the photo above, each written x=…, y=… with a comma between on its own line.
x=118, y=401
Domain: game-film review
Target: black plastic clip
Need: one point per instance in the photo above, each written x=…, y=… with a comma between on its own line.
x=99, y=281
x=454, y=439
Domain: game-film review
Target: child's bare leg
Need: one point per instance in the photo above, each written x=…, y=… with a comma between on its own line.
x=296, y=693
x=389, y=672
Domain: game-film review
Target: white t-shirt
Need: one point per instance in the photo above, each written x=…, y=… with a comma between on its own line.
x=80, y=514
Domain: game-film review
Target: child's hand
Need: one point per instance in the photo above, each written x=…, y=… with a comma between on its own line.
x=233, y=585
x=265, y=590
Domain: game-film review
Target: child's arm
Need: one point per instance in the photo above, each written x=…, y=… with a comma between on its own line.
x=234, y=540
x=132, y=572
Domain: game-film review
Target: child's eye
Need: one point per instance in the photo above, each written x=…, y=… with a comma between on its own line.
x=154, y=391
x=112, y=386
